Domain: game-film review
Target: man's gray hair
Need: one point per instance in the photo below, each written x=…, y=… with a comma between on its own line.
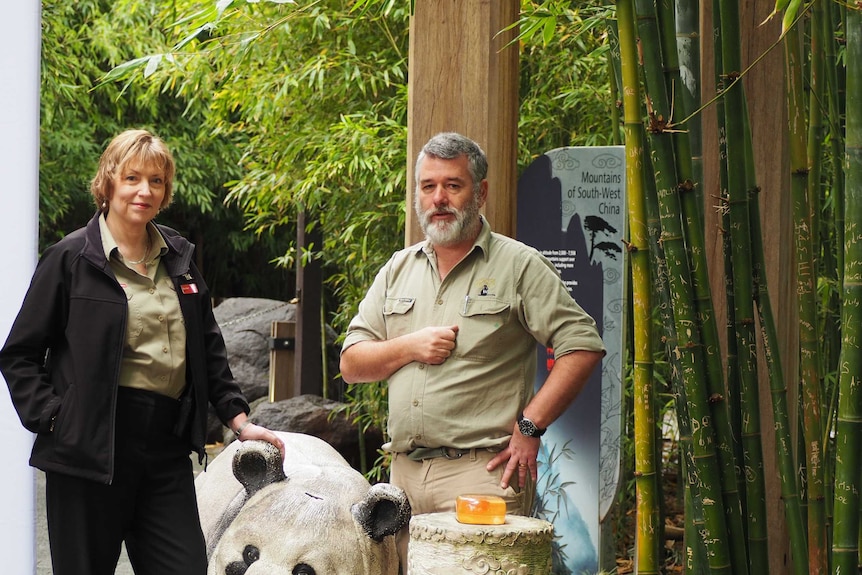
x=450, y=145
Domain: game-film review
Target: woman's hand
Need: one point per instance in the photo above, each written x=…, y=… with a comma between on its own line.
x=244, y=430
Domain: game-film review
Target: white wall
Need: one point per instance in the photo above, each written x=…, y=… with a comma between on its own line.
x=19, y=213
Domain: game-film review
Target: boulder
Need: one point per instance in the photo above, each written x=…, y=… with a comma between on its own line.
x=246, y=324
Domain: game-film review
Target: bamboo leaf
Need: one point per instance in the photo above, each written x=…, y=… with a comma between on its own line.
x=208, y=27
x=152, y=65
x=780, y=5
x=790, y=15
x=125, y=70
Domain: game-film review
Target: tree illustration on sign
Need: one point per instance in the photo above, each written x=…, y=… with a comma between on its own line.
x=597, y=225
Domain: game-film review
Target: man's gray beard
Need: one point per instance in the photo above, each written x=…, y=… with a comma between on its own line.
x=450, y=233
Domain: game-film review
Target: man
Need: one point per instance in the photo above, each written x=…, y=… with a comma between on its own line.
x=452, y=324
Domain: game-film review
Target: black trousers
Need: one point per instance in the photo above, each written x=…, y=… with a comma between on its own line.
x=150, y=505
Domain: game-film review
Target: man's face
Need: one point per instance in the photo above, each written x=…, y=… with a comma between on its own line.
x=446, y=205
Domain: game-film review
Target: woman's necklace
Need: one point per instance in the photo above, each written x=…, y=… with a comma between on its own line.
x=146, y=254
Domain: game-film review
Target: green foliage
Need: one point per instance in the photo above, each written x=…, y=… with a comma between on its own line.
x=79, y=42
x=565, y=92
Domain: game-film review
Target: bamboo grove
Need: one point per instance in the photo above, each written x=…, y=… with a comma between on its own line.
x=815, y=411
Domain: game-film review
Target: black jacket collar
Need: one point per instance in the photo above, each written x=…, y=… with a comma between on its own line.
x=177, y=261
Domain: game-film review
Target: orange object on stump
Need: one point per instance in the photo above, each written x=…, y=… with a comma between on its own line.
x=480, y=509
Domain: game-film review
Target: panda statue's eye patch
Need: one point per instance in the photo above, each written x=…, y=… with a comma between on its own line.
x=303, y=569
x=236, y=568
x=250, y=554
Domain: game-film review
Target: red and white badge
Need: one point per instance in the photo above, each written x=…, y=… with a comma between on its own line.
x=189, y=288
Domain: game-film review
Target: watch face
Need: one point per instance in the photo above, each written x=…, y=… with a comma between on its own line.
x=527, y=428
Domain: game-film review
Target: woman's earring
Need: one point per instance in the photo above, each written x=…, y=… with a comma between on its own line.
x=104, y=204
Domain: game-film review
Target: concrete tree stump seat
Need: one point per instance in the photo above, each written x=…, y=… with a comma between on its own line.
x=440, y=545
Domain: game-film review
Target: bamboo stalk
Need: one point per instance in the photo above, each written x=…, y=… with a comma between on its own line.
x=690, y=206
x=831, y=321
x=778, y=387
x=755, y=493
x=804, y=187
x=688, y=47
x=689, y=345
x=696, y=563
x=732, y=356
x=649, y=519
x=831, y=308
x=848, y=467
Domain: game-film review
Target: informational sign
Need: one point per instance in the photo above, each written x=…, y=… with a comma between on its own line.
x=572, y=208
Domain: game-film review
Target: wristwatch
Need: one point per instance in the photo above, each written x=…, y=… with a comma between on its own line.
x=528, y=428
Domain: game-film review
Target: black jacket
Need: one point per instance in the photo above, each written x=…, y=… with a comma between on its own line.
x=62, y=358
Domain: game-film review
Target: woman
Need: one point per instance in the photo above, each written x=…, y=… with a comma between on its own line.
x=112, y=361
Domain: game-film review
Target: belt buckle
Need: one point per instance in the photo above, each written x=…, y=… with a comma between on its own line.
x=445, y=452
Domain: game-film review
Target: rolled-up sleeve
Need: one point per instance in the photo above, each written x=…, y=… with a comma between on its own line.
x=369, y=323
x=550, y=314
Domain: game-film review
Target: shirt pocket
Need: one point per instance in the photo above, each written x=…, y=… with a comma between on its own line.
x=169, y=285
x=398, y=315
x=135, y=324
x=483, y=325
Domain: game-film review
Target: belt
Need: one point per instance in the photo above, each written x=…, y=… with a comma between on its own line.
x=421, y=453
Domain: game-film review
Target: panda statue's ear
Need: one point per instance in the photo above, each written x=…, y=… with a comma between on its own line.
x=257, y=464
x=384, y=511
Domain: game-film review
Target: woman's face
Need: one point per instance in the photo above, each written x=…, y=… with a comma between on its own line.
x=139, y=191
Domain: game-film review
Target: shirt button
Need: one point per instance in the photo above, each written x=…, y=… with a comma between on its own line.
x=421, y=366
x=415, y=403
x=165, y=349
x=152, y=290
x=161, y=318
x=419, y=436
x=439, y=302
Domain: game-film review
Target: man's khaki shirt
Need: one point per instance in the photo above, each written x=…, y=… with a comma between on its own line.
x=505, y=297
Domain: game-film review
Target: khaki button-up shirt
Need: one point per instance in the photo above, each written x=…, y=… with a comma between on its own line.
x=154, y=354
x=505, y=297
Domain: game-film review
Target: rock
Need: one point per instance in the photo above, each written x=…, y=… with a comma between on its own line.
x=246, y=324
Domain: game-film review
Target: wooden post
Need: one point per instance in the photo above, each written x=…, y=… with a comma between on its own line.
x=464, y=78
x=308, y=368
x=282, y=383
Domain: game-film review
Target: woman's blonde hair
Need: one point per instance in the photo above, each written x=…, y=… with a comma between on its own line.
x=132, y=145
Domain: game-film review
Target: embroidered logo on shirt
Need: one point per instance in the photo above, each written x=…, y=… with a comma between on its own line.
x=484, y=286
x=189, y=288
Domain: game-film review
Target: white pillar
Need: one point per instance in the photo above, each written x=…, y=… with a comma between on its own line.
x=19, y=225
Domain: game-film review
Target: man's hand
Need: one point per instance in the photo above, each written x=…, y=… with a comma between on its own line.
x=520, y=458
x=434, y=344
x=373, y=360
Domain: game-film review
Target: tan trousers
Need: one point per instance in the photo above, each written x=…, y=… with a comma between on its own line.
x=432, y=485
